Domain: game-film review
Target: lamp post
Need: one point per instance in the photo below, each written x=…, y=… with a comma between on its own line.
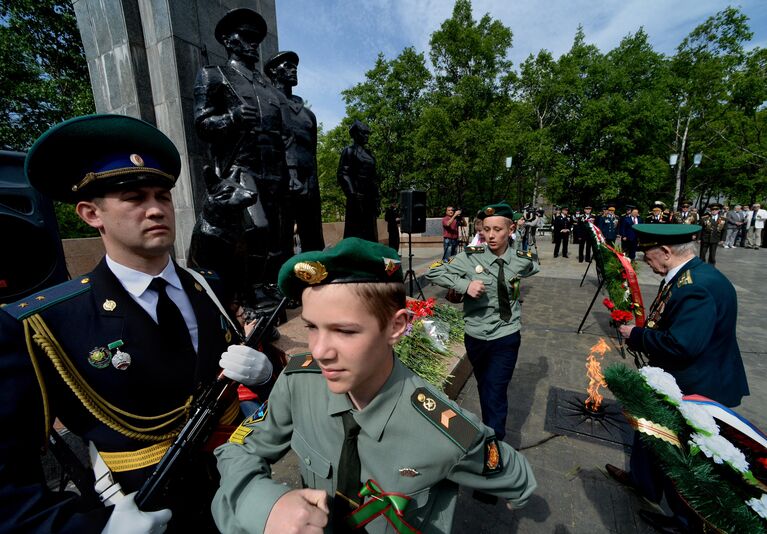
x=674, y=160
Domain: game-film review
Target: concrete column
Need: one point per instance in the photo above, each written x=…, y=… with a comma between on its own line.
x=143, y=57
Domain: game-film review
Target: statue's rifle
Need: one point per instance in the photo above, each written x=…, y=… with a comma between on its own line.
x=205, y=413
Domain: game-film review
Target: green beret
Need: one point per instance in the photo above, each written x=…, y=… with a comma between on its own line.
x=497, y=210
x=655, y=235
x=351, y=260
x=86, y=156
x=237, y=18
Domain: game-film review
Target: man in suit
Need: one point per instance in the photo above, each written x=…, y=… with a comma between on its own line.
x=239, y=113
x=118, y=354
x=628, y=236
x=735, y=219
x=690, y=333
x=563, y=224
x=713, y=233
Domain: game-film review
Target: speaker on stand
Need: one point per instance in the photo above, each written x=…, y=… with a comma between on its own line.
x=413, y=221
x=33, y=257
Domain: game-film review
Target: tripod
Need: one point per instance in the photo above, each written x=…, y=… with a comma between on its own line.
x=410, y=274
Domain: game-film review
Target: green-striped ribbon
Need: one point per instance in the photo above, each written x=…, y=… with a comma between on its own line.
x=390, y=505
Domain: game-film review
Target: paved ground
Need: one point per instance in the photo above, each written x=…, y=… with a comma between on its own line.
x=574, y=493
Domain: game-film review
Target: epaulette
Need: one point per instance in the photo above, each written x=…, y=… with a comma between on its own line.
x=528, y=255
x=473, y=249
x=302, y=363
x=46, y=298
x=452, y=424
x=436, y=264
x=684, y=279
x=210, y=275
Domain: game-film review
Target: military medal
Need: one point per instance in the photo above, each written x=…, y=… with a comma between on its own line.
x=120, y=360
x=99, y=357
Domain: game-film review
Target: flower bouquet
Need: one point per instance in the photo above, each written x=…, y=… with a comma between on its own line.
x=716, y=460
x=423, y=348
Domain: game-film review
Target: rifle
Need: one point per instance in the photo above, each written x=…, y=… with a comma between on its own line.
x=205, y=413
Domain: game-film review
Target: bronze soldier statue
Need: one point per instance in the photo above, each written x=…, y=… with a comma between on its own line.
x=305, y=208
x=238, y=112
x=359, y=182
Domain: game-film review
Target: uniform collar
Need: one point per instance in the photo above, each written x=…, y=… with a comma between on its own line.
x=135, y=282
x=373, y=418
x=676, y=270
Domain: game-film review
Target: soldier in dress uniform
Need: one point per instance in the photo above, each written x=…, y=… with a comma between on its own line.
x=368, y=433
x=686, y=215
x=490, y=278
x=583, y=234
x=562, y=226
x=117, y=354
x=608, y=224
x=714, y=228
x=656, y=214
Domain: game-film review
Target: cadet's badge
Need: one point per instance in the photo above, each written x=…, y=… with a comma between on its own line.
x=408, y=472
x=137, y=160
x=311, y=272
x=109, y=305
x=489, y=211
x=479, y=269
x=99, y=358
x=427, y=402
x=493, y=462
x=391, y=266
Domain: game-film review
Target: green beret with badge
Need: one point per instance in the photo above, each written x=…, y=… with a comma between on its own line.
x=656, y=235
x=351, y=260
x=85, y=157
x=497, y=210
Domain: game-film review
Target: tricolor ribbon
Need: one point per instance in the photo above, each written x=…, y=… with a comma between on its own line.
x=653, y=429
x=390, y=505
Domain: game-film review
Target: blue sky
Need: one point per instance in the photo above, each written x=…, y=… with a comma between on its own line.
x=338, y=40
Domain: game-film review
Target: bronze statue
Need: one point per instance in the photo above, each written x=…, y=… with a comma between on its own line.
x=359, y=182
x=300, y=125
x=238, y=112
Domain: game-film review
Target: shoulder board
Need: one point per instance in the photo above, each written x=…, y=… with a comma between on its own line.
x=474, y=249
x=684, y=279
x=528, y=255
x=436, y=264
x=48, y=297
x=302, y=363
x=451, y=423
x=210, y=275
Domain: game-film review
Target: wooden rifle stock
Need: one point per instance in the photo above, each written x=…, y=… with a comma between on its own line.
x=205, y=413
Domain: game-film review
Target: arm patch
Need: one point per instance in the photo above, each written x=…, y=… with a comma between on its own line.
x=493, y=461
x=452, y=424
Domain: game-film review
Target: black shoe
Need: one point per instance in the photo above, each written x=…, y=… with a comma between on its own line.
x=666, y=524
x=619, y=475
x=565, y=256
x=556, y=255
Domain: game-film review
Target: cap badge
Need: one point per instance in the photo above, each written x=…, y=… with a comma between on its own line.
x=391, y=266
x=137, y=160
x=489, y=211
x=109, y=305
x=311, y=272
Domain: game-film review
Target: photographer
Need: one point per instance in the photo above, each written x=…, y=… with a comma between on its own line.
x=450, y=223
x=533, y=221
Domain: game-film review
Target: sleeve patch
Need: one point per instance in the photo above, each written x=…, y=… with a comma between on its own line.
x=436, y=264
x=246, y=427
x=452, y=424
x=493, y=461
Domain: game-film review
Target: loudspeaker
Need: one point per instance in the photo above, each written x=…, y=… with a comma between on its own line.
x=413, y=205
x=33, y=257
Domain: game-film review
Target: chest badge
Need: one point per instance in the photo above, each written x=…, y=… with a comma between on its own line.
x=479, y=269
x=120, y=360
x=109, y=305
x=99, y=357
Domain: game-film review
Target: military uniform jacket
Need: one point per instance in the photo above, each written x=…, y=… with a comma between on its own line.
x=692, y=336
x=482, y=315
x=399, y=447
x=84, y=314
x=609, y=226
x=713, y=231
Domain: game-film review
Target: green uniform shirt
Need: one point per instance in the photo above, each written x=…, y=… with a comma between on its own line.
x=398, y=446
x=481, y=315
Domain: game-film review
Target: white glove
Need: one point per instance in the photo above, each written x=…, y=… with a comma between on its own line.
x=126, y=518
x=247, y=366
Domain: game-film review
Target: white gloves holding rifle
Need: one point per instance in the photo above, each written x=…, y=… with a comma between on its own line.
x=247, y=366
x=126, y=518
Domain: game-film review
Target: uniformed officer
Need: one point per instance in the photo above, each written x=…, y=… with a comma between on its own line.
x=490, y=276
x=689, y=332
x=366, y=430
x=713, y=233
x=117, y=354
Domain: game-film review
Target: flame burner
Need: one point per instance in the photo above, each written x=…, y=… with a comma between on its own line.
x=568, y=414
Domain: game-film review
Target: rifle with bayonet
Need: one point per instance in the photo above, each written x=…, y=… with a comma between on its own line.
x=206, y=411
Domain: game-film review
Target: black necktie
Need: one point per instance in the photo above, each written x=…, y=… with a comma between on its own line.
x=346, y=498
x=504, y=302
x=173, y=328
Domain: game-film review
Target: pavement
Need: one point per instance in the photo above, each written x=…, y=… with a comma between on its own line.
x=575, y=494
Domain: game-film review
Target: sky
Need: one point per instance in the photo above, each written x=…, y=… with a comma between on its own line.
x=338, y=40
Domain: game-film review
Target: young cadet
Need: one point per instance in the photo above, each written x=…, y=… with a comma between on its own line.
x=489, y=277
x=116, y=355
x=371, y=437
